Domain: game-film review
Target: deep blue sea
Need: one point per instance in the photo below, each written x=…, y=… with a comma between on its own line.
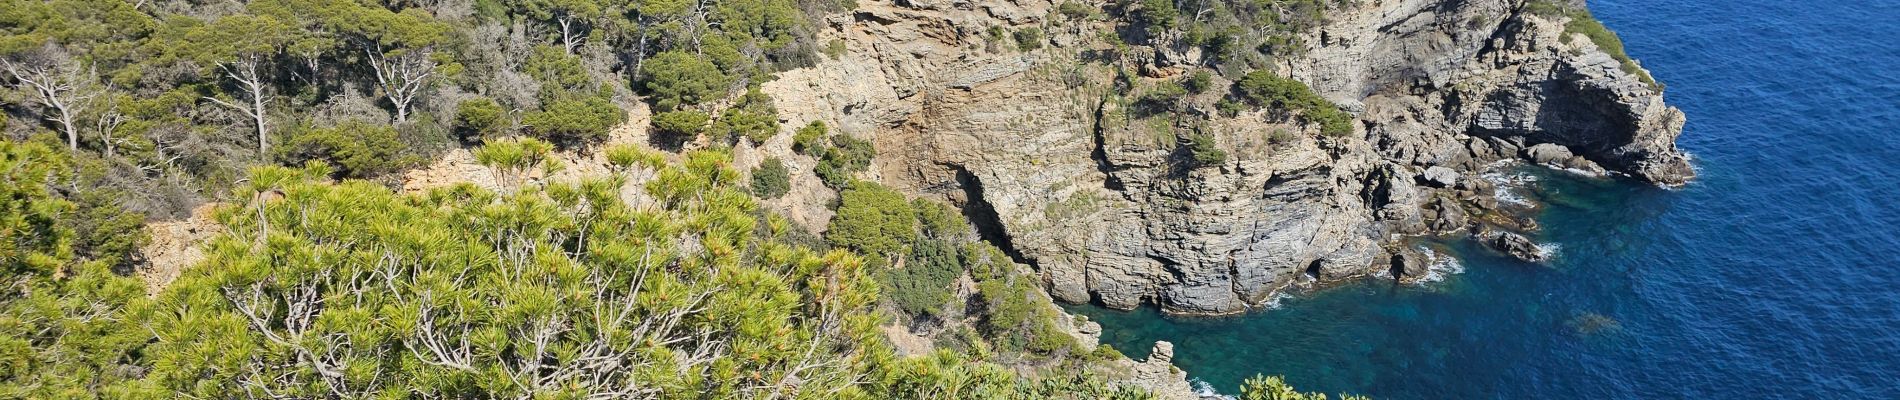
x=1776, y=275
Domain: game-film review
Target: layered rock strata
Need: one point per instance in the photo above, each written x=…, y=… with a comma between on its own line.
x=1041, y=152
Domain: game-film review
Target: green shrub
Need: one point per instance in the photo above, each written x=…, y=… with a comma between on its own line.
x=1545, y=8
x=1157, y=14
x=575, y=120
x=64, y=329
x=680, y=124
x=808, y=140
x=1046, y=338
x=940, y=221
x=1006, y=306
x=1229, y=108
x=771, y=179
x=873, y=220
x=561, y=75
x=923, y=285
x=1204, y=151
x=1013, y=316
x=512, y=158
x=846, y=156
x=480, y=118
x=1199, y=81
x=1332, y=122
x=1280, y=136
x=1029, y=39
x=680, y=78
x=1104, y=352
x=1075, y=11
x=1263, y=88
x=356, y=149
x=753, y=118
x=50, y=228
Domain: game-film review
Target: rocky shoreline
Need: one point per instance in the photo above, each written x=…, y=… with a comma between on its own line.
x=1032, y=146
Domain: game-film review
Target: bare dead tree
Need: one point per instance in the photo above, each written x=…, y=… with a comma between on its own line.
x=58, y=84
x=571, y=36
x=402, y=76
x=244, y=72
x=108, y=123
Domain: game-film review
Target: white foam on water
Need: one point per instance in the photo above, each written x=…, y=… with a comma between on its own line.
x=1438, y=266
x=1508, y=184
x=1548, y=250
x=1205, y=390
x=1273, y=301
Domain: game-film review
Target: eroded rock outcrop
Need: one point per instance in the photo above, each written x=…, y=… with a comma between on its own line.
x=1035, y=148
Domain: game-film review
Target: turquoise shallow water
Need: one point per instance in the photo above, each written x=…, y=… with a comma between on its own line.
x=1773, y=276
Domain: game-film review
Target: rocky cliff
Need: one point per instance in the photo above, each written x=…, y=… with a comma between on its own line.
x=1047, y=147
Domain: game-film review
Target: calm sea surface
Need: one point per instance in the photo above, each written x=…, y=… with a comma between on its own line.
x=1776, y=275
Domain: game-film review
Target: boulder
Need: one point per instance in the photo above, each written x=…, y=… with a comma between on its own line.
x=1450, y=217
x=1515, y=245
x=1548, y=154
x=1409, y=266
x=1441, y=177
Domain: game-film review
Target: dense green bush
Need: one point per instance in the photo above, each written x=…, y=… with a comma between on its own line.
x=771, y=179
x=809, y=139
x=356, y=149
x=1263, y=88
x=1164, y=97
x=480, y=118
x=1199, y=81
x=680, y=124
x=576, y=120
x=1582, y=22
x=60, y=330
x=561, y=74
x=940, y=221
x=873, y=220
x=47, y=227
x=680, y=78
x=1014, y=319
x=1157, y=14
x=846, y=156
x=923, y=285
x=1203, y=150
x=753, y=118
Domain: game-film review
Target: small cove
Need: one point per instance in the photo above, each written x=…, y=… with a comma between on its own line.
x=1769, y=277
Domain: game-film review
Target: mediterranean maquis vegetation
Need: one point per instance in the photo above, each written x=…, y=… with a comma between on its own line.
x=294, y=118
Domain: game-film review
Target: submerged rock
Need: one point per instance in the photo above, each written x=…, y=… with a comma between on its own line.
x=1589, y=324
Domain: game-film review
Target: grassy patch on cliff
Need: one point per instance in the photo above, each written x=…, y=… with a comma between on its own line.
x=1582, y=22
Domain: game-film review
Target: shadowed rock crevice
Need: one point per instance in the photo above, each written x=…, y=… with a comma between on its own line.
x=980, y=213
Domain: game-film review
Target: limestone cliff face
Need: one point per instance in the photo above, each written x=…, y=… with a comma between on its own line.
x=1037, y=150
